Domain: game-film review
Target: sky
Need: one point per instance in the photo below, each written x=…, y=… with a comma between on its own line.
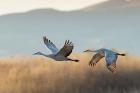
x=13, y=6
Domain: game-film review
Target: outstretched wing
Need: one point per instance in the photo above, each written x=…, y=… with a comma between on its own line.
x=50, y=45
x=111, y=59
x=67, y=49
x=95, y=59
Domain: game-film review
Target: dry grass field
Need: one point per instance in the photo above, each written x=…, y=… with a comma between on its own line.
x=37, y=74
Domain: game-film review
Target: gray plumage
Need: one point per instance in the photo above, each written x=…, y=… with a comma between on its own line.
x=110, y=57
x=58, y=55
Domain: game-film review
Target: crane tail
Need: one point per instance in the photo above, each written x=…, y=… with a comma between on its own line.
x=122, y=54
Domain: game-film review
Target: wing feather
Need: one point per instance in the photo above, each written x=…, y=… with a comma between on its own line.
x=95, y=59
x=50, y=45
x=66, y=50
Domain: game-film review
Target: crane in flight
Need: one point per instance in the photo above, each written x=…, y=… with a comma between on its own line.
x=110, y=57
x=58, y=55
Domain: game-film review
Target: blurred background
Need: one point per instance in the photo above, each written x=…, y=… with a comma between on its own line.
x=93, y=24
x=88, y=23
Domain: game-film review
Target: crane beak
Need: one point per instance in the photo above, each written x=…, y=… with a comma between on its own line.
x=35, y=54
x=88, y=50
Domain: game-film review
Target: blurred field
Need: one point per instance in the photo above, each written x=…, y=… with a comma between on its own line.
x=37, y=74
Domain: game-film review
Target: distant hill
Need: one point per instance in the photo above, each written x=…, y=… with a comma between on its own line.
x=114, y=4
x=112, y=24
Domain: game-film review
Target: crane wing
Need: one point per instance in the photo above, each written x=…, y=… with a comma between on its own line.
x=111, y=59
x=50, y=45
x=66, y=50
x=95, y=59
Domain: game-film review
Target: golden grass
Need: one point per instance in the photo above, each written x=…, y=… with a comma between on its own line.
x=37, y=74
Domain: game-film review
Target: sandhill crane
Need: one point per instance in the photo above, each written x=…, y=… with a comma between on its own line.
x=58, y=55
x=110, y=57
